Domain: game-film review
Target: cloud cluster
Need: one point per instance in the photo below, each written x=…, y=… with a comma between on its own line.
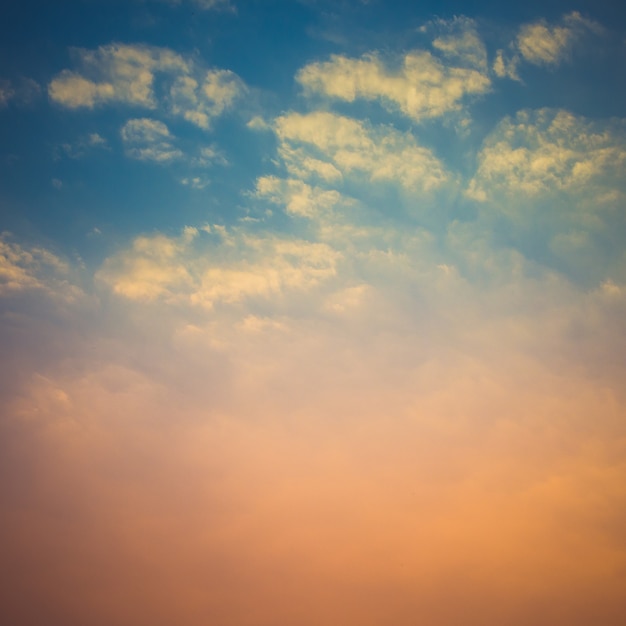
x=329, y=146
x=128, y=74
x=213, y=265
x=545, y=151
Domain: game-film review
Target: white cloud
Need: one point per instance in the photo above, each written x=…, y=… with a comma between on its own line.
x=330, y=147
x=557, y=180
x=129, y=73
x=115, y=73
x=423, y=87
x=297, y=197
x=547, y=151
x=541, y=43
x=201, y=102
x=149, y=140
x=218, y=266
x=458, y=40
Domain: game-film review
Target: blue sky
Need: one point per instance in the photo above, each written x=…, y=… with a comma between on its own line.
x=313, y=312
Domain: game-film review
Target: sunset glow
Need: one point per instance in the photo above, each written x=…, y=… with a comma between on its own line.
x=312, y=313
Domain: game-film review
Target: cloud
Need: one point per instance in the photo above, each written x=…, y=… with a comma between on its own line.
x=337, y=418
x=422, y=87
x=115, y=73
x=201, y=102
x=149, y=140
x=83, y=145
x=540, y=43
x=297, y=197
x=291, y=402
x=547, y=151
x=24, y=269
x=329, y=147
x=129, y=74
x=237, y=266
x=459, y=42
x=556, y=178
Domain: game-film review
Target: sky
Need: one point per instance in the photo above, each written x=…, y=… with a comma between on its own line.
x=312, y=313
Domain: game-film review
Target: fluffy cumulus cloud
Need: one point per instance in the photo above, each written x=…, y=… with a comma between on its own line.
x=550, y=150
x=129, y=74
x=329, y=146
x=423, y=87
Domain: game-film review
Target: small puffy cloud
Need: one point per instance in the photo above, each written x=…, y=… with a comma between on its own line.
x=541, y=43
x=195, y=182
x=199, y=102
x=115, y=73
x=82, y=145
x=423, y=87
x=297, y=197
x=506, y=67
x=458, y=40
x=130, y=73
x=329, y=146
x=149, y=140
x=218, y=266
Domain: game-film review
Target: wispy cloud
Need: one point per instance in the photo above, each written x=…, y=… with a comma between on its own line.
x=149, y=140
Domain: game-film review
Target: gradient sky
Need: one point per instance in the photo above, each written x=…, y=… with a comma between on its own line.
x=312, y=313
